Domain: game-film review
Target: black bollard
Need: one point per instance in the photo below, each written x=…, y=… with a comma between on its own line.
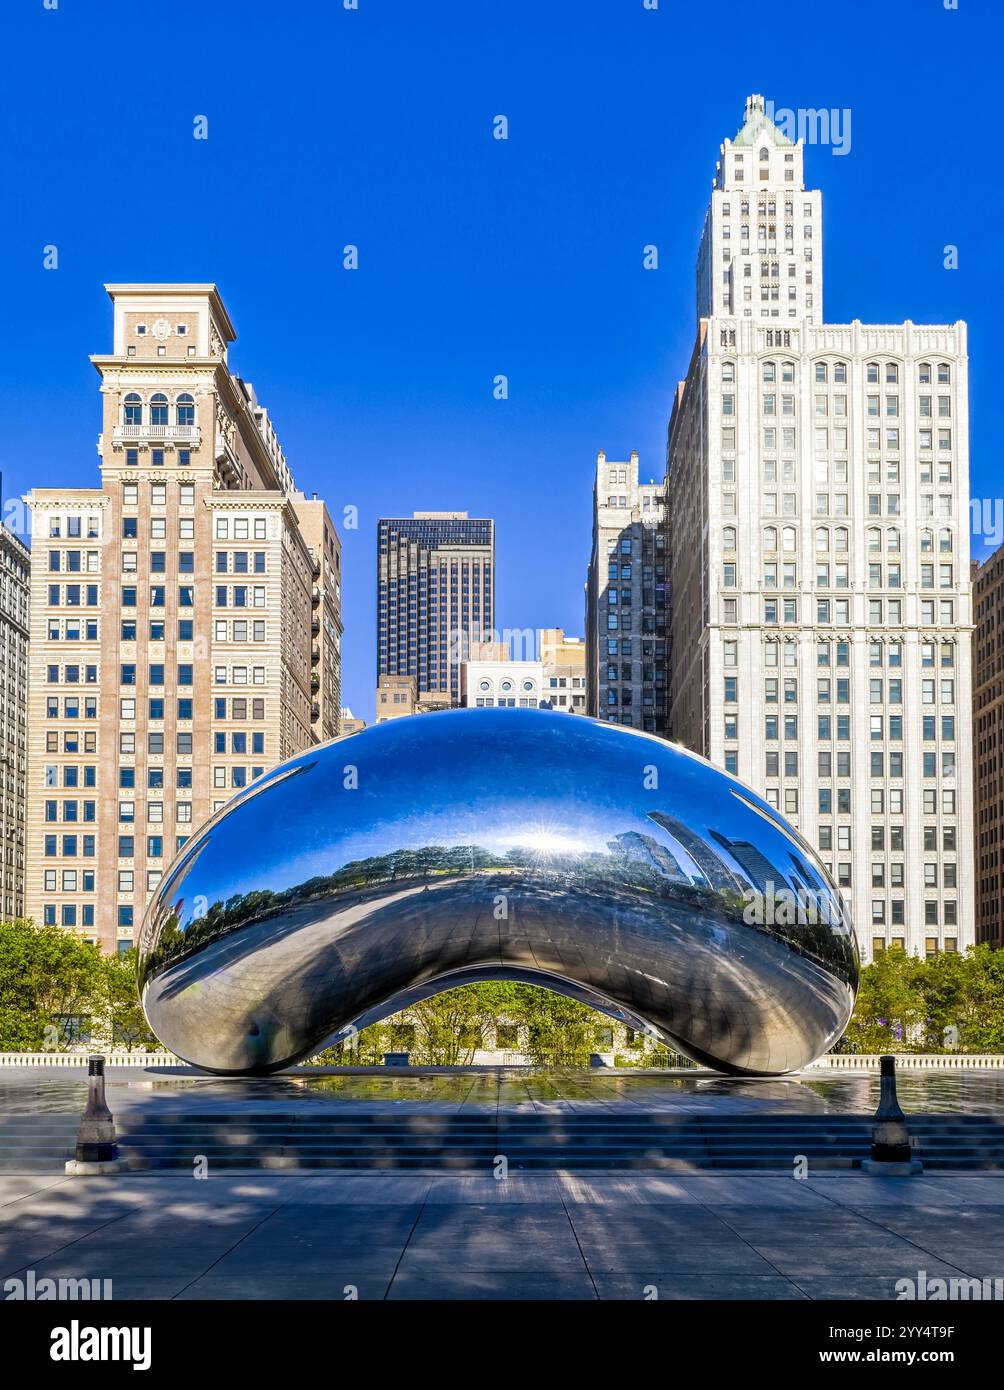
x=890, y=1151
x=96, y=1138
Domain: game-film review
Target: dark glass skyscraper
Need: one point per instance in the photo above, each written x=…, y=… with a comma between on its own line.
x=435, y=596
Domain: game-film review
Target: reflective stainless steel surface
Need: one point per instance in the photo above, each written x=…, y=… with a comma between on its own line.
x=440, y=849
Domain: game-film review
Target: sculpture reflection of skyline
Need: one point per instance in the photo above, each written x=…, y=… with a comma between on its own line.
x=495, y=844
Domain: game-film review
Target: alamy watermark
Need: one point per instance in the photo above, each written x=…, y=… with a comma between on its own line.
x=954, y=1289
x=782, y=906
x=828, y=126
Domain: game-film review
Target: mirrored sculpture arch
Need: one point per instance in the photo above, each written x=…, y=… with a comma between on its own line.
x=440, y=849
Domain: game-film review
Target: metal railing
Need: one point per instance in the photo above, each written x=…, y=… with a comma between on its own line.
x=186, y=433
x=79, y=1059
x=921, y=1061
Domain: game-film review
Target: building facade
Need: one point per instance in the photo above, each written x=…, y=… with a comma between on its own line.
x=15, y=569
x=501, y=684
x=988, y=747
x=349, y=724
x=564, y=661
x=555, y=680
x=185, y=616
x=817, y=489
x=398, y=696
x=435, y=598
x=627, y=609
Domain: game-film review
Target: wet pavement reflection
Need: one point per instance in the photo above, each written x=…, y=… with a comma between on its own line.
x=515, y=1089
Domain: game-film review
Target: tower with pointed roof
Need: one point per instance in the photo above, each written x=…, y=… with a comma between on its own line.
x=761, y=248
x=817, y=496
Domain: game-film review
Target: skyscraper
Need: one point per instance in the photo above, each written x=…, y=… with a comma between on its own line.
x=817, y=487
x=15, y=564
x=185, y=618
x=436, y=597
x=626, y=600
x=988, y=748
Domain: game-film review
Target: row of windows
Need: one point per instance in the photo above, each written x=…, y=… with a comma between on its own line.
x=157, y=630
x=71, y=674
x=158, y=561
x=73, y=595
x=839, y=802
x=158, y=494
x=72, y=630
x=881, y=727
x=154, y=778
x=838, y=610
x=237, y=528
x=182, y=458
x=75, y=561
x=155, y=673
x=876, y=537
x=881, y=764
x=824, y=372
x=157, y=528
x=156, y=708
x=74, y=526
x=889, y=576
x=158, y=410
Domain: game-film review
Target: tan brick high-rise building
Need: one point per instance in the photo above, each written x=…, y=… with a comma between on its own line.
x=988, y=747
x=15, y=563
x=185, y=618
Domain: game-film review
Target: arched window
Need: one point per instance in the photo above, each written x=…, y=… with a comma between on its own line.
x=764, y=154
x=892, y=539
x=822, y=538
x=768, y=371
x=927, y=541
x=788, y=538
x=891, y=374
x=945, y=540
x=158, y=409
x=944, y=373
x=924, y=373
x=133, y=409
x=874, y=538
x=186, y=409
x=787, y=371
x=729, y=538
x=770, y=538
x=840, y=536
x=872, y=373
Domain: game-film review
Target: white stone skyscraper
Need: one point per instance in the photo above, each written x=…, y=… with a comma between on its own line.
x=818, y=497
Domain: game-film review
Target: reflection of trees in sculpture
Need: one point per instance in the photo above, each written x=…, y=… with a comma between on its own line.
x=603, y=873
x=446, y=1029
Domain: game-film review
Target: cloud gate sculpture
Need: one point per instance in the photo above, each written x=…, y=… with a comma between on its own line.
x=442, y=849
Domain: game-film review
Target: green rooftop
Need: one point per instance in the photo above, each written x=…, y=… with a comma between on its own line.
x=757, y=126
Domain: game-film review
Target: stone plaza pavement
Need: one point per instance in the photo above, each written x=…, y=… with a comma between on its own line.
x=552, y=1235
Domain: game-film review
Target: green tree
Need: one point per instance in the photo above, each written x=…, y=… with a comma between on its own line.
x=49, y=979
x=122, y=1017
x=890, y=1007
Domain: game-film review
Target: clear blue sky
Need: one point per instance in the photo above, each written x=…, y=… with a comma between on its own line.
x=477, y=256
